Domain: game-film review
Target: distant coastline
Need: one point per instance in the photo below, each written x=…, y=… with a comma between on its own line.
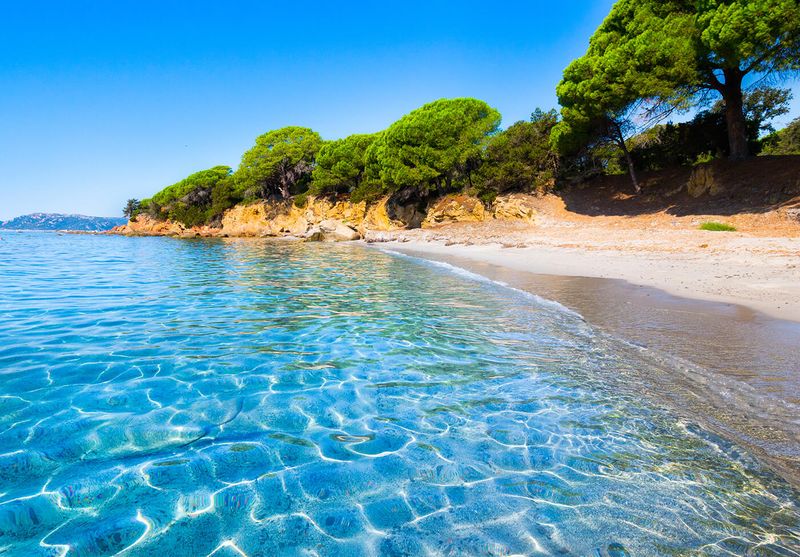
x=59, y=221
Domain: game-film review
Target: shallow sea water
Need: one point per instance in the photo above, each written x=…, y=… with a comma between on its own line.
x=248, y=397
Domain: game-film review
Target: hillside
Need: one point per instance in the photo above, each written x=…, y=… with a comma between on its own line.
x=57, y=221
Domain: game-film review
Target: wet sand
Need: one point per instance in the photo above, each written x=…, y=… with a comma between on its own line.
x=735, y=370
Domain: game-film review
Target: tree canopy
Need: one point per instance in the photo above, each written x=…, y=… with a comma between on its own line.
x=195, y=199
x=340, y=165
x=670, y=52
x=433, y=148
x=280, y=163
x=132, y=207
x=627, y=70
x=519, y=158
x=785, y=141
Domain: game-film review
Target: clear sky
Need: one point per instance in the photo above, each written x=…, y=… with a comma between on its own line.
x=102, y=101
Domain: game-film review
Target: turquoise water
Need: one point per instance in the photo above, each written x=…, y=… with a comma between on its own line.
x=235, y=397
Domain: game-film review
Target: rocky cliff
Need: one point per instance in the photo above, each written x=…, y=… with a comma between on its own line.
x=325, y=219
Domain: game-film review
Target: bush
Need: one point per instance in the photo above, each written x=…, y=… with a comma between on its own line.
x=717, y=227
x=783, y=142
x=301, y=200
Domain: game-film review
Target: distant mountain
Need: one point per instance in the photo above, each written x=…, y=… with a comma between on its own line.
x=55, y=221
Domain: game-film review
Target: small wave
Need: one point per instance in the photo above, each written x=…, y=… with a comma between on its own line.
x=464, y=273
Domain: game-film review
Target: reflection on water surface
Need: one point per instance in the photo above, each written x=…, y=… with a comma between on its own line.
x=259, y=398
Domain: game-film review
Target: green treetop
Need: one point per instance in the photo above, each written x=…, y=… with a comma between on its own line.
x=785, y=141
x=131, y=208
x=627, y=71
x=340, y=165
x=733, y=39
x=203, y=180
x=668, y=52
x=434, y=147
x=193, y=200
x=279, y=164
x=520, y=157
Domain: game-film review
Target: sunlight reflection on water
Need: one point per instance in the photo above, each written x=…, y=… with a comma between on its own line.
x=265, y=398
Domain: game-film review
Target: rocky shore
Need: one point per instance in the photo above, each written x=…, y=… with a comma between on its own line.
x=324, y=219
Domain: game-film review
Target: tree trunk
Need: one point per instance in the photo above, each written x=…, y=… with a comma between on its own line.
x=734, y=115
x=621, y=142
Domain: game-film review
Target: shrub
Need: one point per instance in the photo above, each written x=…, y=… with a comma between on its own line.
x=301, y=200
x=717, y=227
x=519, y=158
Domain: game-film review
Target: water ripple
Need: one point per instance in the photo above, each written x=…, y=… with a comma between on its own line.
x=235, y=397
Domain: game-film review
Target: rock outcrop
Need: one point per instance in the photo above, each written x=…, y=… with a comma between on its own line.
x=388, y=214
x=273, y=218
x=144, y=225
x=325, y=219
x=702, y=181
x=331, y=230
x=514, y=207
x=454, y=208
x=793, y=213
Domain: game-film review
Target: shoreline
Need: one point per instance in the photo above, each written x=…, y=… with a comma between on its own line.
x=767, y=281
x=731, y=368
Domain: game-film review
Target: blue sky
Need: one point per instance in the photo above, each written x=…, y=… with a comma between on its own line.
x=102, y=101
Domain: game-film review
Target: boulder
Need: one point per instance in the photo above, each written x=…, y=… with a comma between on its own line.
x=331, y=230
x=514, y=207
x=454, y=208
x=702, y=181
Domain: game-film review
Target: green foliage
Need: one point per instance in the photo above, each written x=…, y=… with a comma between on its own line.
x=627, y=75
x=435, y=148
x=761, y=106
x=626, y=62
x=785, y=141
x=205, y=179
x=279, y=165
x=131, y=208
x=301, y=200
x=705, y=136
x=704, y=158
x=195, y=200
x=519, y=158
x=650, y=56
x=717, y=227
x=340, y=165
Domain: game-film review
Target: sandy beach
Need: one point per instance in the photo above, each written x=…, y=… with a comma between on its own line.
x=748, y=269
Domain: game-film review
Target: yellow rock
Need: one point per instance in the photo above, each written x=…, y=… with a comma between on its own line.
x=455, y=208
x=384, y=215
x=514, y=207
x=702, y=181
x=147, y=226
x=256, y=219
x=331, y=230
